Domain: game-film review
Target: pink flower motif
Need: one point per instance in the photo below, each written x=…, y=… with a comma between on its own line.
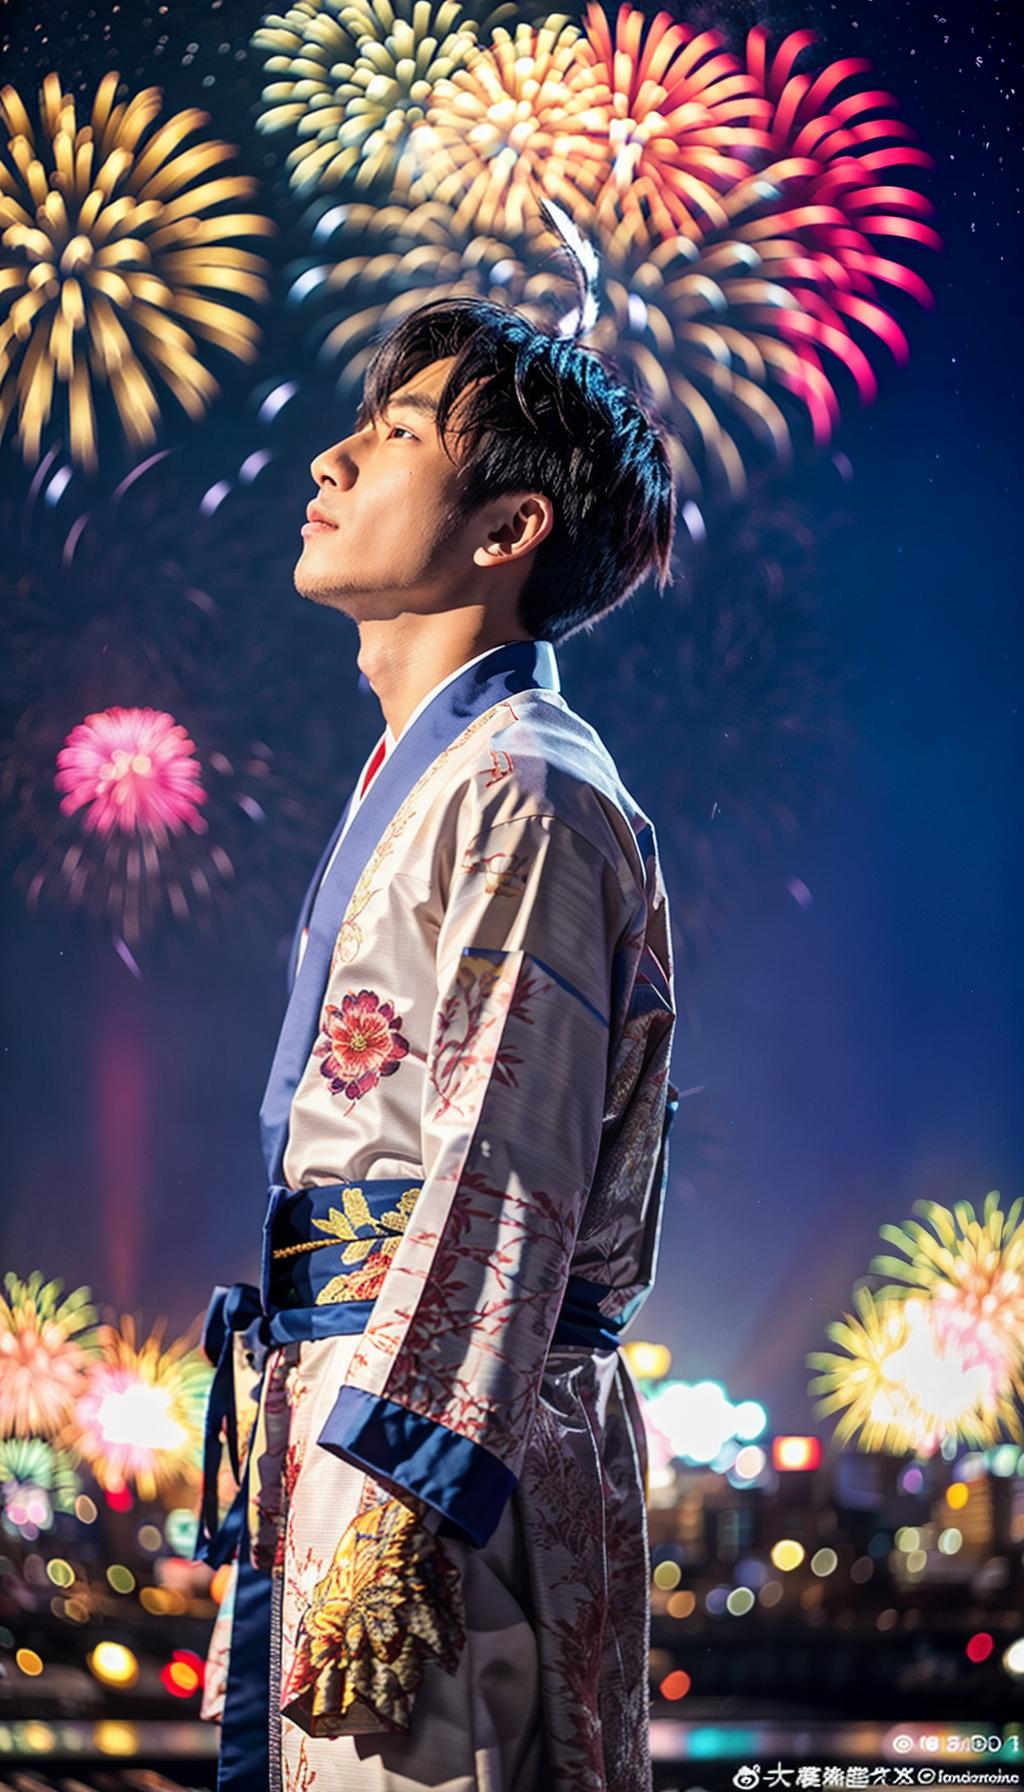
x=137, y=772
x=363, y=1043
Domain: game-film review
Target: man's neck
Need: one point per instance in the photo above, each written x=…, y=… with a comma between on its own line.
x=402, y=664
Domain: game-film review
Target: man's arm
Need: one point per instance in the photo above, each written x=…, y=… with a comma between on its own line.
x=442, y=1390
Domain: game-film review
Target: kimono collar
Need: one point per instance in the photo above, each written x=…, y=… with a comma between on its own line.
x=511, y=668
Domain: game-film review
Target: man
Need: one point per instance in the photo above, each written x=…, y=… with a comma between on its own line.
x=439, y=1548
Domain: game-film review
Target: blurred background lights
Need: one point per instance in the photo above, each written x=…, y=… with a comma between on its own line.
x=649, y=1362
x=699, y=1421
x=950, y=1540
x=957, y=1496
x=121, y=1579
x=682, y=1604
x=113, y=1664
x=29, y=1662
x=796, y=1452
x=824, y=1561
x=740, y=1601
x=85, y=1510
x=667, y=1576
x=112, y=1738
x=750, y=1420
x=180, y=1528
x=980, y=1646
x=60, y=1572
x=1013, y=1658
x=750, y=1462
x=787, y=1554
x=675, y=1685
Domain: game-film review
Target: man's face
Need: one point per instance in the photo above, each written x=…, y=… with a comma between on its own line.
x=387, y=491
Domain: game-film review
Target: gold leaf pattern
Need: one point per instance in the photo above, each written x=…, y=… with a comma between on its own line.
x=391, y=1600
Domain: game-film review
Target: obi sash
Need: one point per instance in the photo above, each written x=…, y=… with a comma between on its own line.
x=325, y=1254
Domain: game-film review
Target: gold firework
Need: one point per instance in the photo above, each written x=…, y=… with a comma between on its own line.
x=140, y=1417
x=109, y=252
x=970, y=1265
x=355, y=79
x=512, y=125
x=908, y=1381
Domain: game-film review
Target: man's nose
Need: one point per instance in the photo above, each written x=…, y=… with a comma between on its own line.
x=335, y=466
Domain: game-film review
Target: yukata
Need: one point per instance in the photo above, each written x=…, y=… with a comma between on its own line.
x=434, y=1504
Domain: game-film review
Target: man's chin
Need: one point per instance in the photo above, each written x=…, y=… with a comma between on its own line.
x=321, y=590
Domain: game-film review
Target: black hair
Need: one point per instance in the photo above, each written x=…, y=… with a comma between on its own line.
x=544, y=415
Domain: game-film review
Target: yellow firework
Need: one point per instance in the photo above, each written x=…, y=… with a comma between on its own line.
x=140, y=1418
x=108, y=256
x=679, y=115
x=973, y=1267
x=354, y=77
x=46, y=1343
x=412, y=254
x=513, y=124
x=907, y=1380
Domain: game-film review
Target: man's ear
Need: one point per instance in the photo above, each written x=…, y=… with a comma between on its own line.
x=514, y=525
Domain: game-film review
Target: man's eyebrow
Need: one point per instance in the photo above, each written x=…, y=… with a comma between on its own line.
x=413, y=401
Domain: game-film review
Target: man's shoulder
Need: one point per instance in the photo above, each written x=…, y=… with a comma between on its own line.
x=542, y=758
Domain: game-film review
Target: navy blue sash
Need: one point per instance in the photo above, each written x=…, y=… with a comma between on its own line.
x=516, y=666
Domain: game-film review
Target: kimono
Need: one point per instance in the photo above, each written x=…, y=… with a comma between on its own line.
x=424, y=1404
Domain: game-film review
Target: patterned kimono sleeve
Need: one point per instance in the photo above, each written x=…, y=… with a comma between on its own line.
x=441, y=1393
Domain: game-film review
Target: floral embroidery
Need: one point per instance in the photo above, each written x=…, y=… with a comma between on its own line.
x=374, y=1251
x=363, y=1043
x=390, y=1599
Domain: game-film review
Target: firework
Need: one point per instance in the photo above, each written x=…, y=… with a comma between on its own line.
x=410, y=254
x=36, y=1481
x=678, y=113
x=139, y=1421
x=971, y=1269
x=46, y=1345
x=110, y=252
x=355, y=79
x=512, y=126
x=830, y=161
x=909, y=1380
x=131, y=770
x=167, y=759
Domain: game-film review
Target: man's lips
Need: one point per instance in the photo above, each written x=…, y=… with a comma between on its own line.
x=316, y=520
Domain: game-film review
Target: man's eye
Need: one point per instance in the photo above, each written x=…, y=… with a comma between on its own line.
x=401, y=430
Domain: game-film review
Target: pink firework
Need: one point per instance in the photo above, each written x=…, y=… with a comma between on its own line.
x=134, y=771
x=832, y=157
x=678, y=114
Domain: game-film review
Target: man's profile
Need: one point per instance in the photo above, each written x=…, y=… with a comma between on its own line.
x=439, y=1545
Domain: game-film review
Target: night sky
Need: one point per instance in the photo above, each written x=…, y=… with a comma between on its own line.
x=846, y=1054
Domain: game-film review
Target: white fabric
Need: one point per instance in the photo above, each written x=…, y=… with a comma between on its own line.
x=391, y=741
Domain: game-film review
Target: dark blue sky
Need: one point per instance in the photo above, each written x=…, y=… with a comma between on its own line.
x=854, y=1054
